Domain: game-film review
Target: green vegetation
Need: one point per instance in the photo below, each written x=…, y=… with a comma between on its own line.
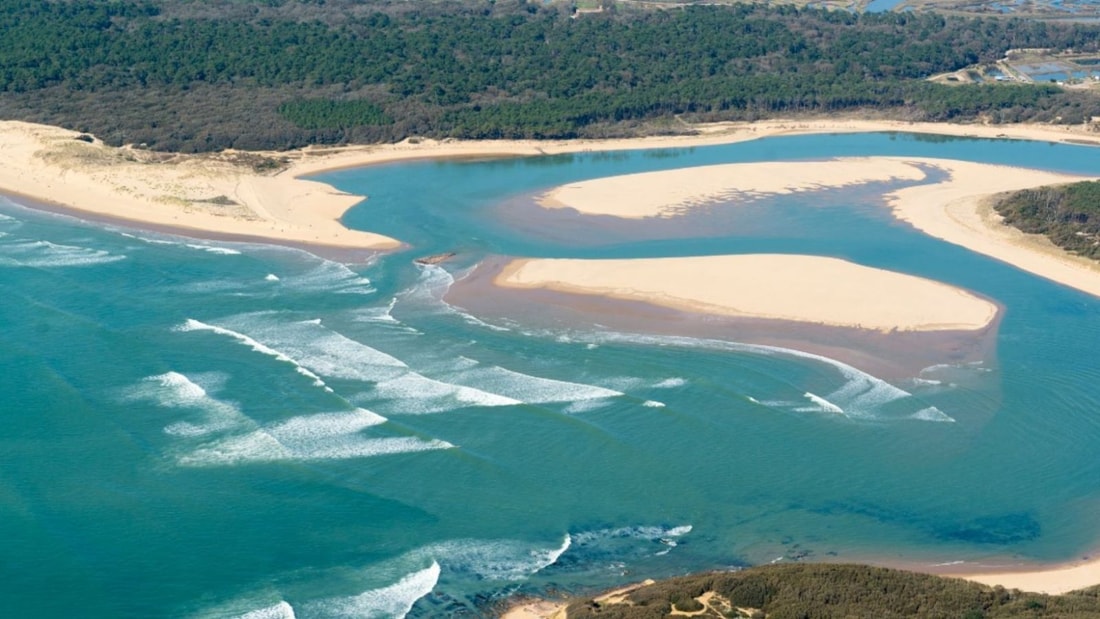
x=327, y=114
x=816, y=591
x=252, y=74
x=1069, y=215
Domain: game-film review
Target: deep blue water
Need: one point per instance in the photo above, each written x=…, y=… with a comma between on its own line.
x=203, y=429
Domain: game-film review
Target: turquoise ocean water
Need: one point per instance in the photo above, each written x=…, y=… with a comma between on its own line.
x=206, y=429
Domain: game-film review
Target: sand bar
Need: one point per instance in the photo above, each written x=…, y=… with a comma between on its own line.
x=183, y=192
x=809, y=289
x=959, y=211
x=956, y=210
x=671, y=192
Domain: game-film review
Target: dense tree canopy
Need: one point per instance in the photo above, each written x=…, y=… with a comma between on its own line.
x=283, y=73
x=1069, y=215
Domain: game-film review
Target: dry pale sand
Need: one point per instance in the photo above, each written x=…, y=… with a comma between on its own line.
x=810, y=289
x=217, y=194
x=958, y=211
x=672, y=192
x=536, y=609
x=1053, y=580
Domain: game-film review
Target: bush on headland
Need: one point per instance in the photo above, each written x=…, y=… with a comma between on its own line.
x=1069, y=215
x=822, y=591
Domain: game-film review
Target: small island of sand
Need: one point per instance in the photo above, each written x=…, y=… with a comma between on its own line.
x=669, y=192
x=810, y=289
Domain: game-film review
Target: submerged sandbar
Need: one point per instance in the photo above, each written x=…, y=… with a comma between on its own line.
x=808, y=289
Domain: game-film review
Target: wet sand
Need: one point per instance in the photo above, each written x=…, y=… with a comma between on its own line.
x=892, y=355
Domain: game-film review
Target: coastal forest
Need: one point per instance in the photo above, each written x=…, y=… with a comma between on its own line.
x=822, y=591
x=1069, y=215
x=191, y=76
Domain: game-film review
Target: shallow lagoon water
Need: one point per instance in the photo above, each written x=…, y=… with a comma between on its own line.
x=206, y=429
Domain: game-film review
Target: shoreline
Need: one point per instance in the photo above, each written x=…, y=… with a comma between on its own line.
x=107, y=186
x=957, y=210
x=806, y=289
x=212, y=196
x=1051, y=579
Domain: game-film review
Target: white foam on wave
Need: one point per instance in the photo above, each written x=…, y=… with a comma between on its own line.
x=321, y=436
x=281, y=610
x=318, y=348
x=650, y=533
x=821, y=405
x=413, y=393
x=329, y=276
x=392, y=602
x=377, y=314
x=271, y=277
x=670, y=383
x=430, y=288
x=175, y=390
x=323, y=352
x=585, y=406
x=932, y=413
x=433, y=283
x=44, y=254
x=206, y=247
x=861, y=396
x=213, y=249
x=195, y=325
x=507, y=560
x=528, y=388
x=653, y=404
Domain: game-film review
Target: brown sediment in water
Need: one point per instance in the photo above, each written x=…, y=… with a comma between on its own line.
x=892, y=355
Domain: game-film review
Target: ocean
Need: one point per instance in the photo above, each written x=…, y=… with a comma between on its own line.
x=201, y=428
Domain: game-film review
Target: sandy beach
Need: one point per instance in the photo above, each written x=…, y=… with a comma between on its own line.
x=959, y=211
x=810, y=289
x=1053, y=579
x=192, y=194
x=221, y=194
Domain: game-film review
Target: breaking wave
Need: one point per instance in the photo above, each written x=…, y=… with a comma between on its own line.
x=321, y=436
x=44, y=254
x=195, y=325
x=861, y=396
x=392, y=602
x=174, y=390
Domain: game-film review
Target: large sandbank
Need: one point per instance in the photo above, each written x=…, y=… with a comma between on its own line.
x=956, y=210
x=810, y=289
